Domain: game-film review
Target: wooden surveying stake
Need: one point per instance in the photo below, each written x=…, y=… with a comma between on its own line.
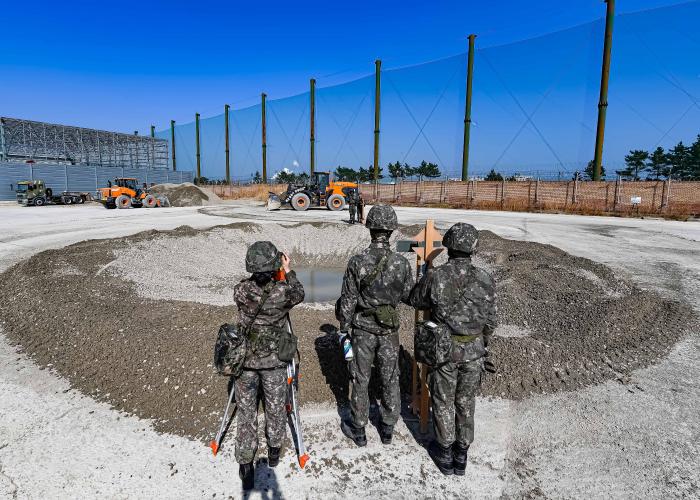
x=427, y=245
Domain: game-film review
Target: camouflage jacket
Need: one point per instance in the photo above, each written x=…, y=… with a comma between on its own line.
x=463, y=297
x=272, y=319
x=390, y=286
x=351, y=196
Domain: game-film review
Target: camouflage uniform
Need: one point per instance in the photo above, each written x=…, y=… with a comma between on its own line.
x=371, y=342
x=262, y=366
x=352, y=198
x=462, y=297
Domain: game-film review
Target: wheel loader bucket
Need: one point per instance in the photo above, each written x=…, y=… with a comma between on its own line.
x=273, y=202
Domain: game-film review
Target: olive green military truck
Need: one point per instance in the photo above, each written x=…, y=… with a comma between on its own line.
x=35, y=193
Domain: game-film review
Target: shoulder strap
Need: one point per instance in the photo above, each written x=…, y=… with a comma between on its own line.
x=369, y=279
x=265, y=294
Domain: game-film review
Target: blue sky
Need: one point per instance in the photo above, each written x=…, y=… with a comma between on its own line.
x=125, y=65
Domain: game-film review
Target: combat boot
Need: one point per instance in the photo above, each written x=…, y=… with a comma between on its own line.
x=385, y=433
x=273, y=456
x=357, y=434
x=247, y=474
x=459, y=453
x=442, y=456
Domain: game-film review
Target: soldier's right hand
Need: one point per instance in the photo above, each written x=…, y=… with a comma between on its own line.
x=285, y=262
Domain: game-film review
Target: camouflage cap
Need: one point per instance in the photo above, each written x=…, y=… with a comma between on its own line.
x=462, y=237
x=382, y=217
x=262, y=256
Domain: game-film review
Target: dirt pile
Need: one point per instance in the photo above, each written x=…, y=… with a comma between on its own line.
x=186, y=194
x=138, y=332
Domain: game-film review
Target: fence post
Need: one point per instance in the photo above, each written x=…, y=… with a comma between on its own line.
x=617, y=193
x=537, y=191
x=665, y=198
x=503, y=191
x=575, y=192
x=474, y=190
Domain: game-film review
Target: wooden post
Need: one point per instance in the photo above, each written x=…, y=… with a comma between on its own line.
x=425, y=254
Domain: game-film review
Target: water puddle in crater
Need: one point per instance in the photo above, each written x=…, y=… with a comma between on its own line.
x=320, y=285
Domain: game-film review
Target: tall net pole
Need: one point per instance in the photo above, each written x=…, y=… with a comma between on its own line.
x=264, y=140
x=226, y=133
x=468, y=111
x=172, y=143
x=603, y=102
x=377, y=97
x=312, y=135
x=196, y=131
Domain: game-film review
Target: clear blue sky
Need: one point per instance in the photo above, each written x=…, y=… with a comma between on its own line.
x=125, y=65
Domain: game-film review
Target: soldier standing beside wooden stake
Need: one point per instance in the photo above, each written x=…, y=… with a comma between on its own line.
x=462, y=298
x=375, y=281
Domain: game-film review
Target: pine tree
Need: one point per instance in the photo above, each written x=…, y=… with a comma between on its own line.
x=636, y=163
x=679, y=157
x=396, y=170
x=589, y=171
x=694, y=163
x=257, y=178
x=494, y=176
x=658, y=164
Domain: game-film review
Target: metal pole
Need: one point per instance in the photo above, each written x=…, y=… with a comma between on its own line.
x=603, y=102
x=312, y=139
x=196, y=131
x=264, y=140
x=468, y=110
x=226, y=132
x=172, y=142
x=377, y=97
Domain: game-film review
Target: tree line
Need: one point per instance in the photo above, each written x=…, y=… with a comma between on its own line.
x=679, y=162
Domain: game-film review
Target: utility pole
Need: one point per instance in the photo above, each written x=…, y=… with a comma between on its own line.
x=604, y=78
x=377, y=97
x=153, y=130
x=468, y=111
x=196, y=131
x=312, y=136
x=226, y=133
x=172, y=142
x=264, y=140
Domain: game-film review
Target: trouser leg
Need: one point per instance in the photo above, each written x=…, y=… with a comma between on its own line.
x=363, y=346
x=388, y=369
x=274, y=383
x=247, y=416
x=468, y=383
x=443, y=384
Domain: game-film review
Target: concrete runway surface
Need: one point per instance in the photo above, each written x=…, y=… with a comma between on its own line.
x=635, y=438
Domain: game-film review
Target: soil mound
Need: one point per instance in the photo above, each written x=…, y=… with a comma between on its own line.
x=187, y=194
x=139, y=332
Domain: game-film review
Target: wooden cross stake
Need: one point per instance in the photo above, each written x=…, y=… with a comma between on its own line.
x=427, y=245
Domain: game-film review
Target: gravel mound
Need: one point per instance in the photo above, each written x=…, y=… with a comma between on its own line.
x=187, y=194
x=138, y=332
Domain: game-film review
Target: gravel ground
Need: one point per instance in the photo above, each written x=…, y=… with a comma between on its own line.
x=138, y=333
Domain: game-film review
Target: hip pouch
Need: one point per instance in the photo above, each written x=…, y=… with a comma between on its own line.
x=432, y=343
x=386, y=316
x=287, y=347
x=230, y=351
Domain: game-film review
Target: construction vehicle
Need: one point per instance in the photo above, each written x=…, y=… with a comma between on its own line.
x=319, y=191
x=126, y=193
x=35, y=193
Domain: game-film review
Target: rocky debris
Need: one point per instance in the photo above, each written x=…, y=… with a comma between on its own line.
x=77, y=311
x=186, y=194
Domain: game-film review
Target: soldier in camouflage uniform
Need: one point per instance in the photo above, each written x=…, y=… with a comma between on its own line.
x=462, y=297
x=352, y=198
x=375, y=281
x=262, y=366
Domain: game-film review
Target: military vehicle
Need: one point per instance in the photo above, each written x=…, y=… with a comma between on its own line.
x=35, y=193
x=318, y=191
